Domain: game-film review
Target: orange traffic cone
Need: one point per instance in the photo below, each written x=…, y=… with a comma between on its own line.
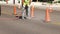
x=32, y=11
x=15, y=10
x=6, y=1
x=47, y=17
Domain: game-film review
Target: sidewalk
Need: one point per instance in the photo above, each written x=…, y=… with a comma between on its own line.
x=39, y=5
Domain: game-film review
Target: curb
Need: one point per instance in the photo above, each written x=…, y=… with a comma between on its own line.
x=55, y=23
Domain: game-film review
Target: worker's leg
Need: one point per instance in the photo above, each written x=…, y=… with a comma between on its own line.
x=28, y=11
x=26, y=7
x=23, y=12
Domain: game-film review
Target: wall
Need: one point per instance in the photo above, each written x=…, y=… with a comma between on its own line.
x=11, y=2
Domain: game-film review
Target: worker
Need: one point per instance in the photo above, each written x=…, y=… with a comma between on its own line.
x=26, y=9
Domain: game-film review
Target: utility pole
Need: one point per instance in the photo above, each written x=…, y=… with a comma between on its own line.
x=13, y=1
x=37, y=0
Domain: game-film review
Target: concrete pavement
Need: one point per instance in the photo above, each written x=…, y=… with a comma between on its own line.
x=13, y=26
x=9, y=24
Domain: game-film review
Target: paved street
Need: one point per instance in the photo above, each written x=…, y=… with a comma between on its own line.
x=9, y=24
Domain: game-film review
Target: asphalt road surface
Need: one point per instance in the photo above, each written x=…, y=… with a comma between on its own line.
x=9, y=24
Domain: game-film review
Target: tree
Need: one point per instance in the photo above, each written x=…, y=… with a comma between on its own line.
x=45, y=0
